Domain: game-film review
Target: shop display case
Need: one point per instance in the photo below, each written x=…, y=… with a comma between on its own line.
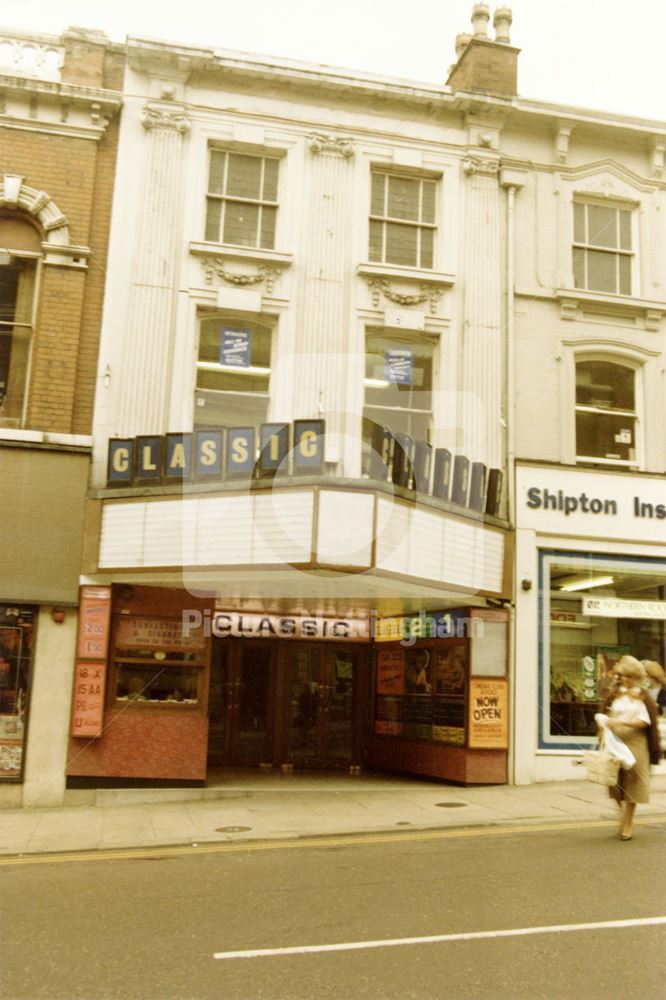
x=441, y=701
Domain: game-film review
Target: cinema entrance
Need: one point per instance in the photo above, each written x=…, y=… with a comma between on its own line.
x=287, y=702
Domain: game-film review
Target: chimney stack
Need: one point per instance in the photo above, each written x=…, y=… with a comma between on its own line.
x=480, y=18
x=502, y=23
x=484, y=64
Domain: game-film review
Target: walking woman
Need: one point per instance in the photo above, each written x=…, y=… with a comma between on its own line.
x=633, y=717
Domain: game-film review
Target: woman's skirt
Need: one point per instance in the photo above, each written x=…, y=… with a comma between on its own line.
x=634, y=784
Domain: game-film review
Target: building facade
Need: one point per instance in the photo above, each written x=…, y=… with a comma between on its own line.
x=590, y=426
x=368, y=338
x=58, y=131
x=296, y=446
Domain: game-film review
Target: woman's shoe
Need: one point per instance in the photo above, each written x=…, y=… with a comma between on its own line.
x=626, y=836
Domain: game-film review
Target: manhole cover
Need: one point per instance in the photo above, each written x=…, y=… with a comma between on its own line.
x=232, y=829
x=451, y=805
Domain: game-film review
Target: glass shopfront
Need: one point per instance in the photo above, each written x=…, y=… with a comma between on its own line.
x=16, y=645
x=594, y=608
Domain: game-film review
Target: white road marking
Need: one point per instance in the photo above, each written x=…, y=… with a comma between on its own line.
x=311, y=949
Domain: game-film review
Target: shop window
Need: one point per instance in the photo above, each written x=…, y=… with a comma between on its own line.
x=16, y=642
x=233, y=372
x=595, y=609
x=398, y=387
x=606, y=413
x=18, y=281
x=402, y=220
x=602, y=249
x=155, y=663
x=242, y=199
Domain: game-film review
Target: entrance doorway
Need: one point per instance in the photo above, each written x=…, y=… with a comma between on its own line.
x=289, y=702
x=320, y=705
x=239, y=701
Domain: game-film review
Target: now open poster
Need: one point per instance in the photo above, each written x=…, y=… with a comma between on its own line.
x=488, y=713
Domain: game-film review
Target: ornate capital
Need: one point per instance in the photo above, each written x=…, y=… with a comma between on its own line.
x=330, y=144
x=264, y=273
x=165, y=118
x=480, y=165
x=428, y=293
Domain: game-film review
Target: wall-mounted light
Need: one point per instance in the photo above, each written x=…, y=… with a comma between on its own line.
x=58, y=615
x=107, y=376
x=526, y=584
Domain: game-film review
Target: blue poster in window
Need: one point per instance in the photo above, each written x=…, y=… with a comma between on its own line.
x=235, y=347
x=399, y=365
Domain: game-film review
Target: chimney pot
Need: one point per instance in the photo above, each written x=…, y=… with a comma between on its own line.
x=462, y=41
x=480, y=18
x=502, y=23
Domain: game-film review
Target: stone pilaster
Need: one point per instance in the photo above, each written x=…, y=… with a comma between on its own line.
x=482, y=335
x=322, y=335
x=149, y=328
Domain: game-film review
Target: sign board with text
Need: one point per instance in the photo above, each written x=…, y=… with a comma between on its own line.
x=88, y=709
x=616, y=607
x=488, y=713
x=94, y=619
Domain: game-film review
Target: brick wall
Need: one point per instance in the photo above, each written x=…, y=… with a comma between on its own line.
x=78, y=174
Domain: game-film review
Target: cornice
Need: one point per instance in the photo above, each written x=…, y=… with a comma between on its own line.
x=249, y=254
x=151, y=56
x=573, y=299
x=94, y=132
x=108, y=99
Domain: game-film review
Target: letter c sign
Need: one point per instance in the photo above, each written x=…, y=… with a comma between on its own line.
x=308, y=446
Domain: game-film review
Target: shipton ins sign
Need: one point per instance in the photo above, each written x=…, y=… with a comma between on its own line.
x=590, y=504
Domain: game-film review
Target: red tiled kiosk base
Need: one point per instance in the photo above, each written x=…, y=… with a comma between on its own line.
x=435, y=760
x=143, y=744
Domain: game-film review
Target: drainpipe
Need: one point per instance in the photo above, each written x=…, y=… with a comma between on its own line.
x=512, y=180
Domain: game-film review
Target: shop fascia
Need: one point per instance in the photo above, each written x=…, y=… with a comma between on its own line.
x=591, y=504
x=543, y=498
x=252, y=625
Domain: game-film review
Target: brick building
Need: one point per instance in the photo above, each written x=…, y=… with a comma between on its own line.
x=59, y=109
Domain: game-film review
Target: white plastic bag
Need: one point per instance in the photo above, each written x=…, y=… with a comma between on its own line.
x=618, y=748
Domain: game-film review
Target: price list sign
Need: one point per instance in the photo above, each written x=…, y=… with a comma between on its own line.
x=94, y=618
x=90, y=668
x=89, y=686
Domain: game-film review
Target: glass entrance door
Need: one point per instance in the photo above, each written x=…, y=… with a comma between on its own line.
x=289, y=702
x=250, y=740
x=238, y=706
x=320, y=700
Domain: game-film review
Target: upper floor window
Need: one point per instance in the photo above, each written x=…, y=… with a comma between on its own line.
x=242, y=199
x=602, y=250
x=606, y=413
x=18, y=280
x=402, y=220
x=233, y=372
x=398, y=387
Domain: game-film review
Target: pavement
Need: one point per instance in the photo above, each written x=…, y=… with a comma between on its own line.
x=252, y=806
